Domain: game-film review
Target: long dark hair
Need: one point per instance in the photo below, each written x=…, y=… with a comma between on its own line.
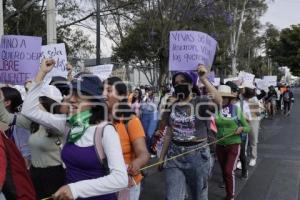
x=15, y=98
x=139, y=99
x=123, y=110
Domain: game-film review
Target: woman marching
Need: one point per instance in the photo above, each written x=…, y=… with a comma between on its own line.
x=230, y=123
x=131, y=133
x=46, y=167
x=87, y=177
x=187, y=126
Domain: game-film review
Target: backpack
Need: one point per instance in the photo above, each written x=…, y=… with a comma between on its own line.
x=17, y=184
x=98, y=143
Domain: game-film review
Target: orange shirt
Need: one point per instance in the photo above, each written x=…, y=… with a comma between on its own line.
x=135, y=131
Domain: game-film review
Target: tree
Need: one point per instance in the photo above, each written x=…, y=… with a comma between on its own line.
x=286, y=50
x=242, y=13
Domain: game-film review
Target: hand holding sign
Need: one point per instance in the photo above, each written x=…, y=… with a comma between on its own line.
x=202, y=71
x=47, y=65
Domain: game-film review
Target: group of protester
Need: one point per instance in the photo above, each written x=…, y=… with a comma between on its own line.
x=88, y=138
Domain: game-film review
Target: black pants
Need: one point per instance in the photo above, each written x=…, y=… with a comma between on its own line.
x=243, y=156
x=287, y=106
x=47, y=180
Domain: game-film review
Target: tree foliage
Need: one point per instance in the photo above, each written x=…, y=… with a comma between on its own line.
x=284, y=48
x=146, y=37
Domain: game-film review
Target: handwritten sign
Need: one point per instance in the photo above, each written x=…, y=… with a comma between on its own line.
x=270, y=80
x=102, y=71
x=246, y=77
x=20, y=58
x=217, y=81
x=190, y=48
x=261, y=84
x=58, y=53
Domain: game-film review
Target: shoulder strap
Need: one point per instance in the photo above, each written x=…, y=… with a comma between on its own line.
x=98, y=140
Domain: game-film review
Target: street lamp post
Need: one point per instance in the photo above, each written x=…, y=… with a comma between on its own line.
x=51, y=22
x=1, y=18
x=98, y=34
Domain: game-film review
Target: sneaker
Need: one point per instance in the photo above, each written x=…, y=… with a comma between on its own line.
x=239, y=165
x=153, y=156
x=252, y=162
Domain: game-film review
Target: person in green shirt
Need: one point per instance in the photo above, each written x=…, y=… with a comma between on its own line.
x=230, y=123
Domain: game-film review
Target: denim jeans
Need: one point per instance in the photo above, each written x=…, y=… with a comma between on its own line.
x=149, y=122
x=192, y=169
x=2, y=197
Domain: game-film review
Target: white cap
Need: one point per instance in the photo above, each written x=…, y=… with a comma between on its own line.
x=52, y=92
x=225, y=91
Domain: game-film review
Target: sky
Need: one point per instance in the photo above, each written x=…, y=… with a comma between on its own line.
x=282, y=13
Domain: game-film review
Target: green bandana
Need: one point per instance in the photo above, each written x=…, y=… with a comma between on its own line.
x=79, y=123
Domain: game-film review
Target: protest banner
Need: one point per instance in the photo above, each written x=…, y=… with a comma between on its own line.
x=261, y=84
x=20, y=58
x=246, y=77
x=270, y=80
x=188, y=49
x=58, y=53
x=217, y=81
x=102, y=71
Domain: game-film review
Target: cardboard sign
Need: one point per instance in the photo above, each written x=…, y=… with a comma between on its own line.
x=246, y=77
x=58, y=53
x=270, y=80
x=217, y=81
x=102, y=71
x=261, y=84
x=188, y=49
x=20, y=58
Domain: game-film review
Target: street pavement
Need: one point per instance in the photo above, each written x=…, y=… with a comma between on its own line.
x=276, y=175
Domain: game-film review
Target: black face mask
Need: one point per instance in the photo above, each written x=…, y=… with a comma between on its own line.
x=182, y=91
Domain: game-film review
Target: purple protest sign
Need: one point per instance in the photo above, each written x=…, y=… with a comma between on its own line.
x=20, y=58
x=190, y=48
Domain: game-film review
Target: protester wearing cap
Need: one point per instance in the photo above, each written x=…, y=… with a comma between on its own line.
x=46, y=168
x=86, y=176
x=186, y=124
x=230, y=123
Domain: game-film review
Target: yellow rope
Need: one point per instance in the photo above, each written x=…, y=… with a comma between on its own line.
x=174, y=157
x=185, y=153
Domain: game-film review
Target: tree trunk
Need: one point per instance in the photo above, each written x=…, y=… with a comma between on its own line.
x=163, y=70
x=235, y=37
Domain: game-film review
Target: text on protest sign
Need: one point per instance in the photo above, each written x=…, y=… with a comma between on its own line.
x=246, y=77
x=102, y=71
x=190, y=48
x=261, y=84
x=20, y=58
x=58, y=53
x=270, y=80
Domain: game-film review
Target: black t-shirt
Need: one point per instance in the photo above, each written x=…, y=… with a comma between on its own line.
x=190, y=120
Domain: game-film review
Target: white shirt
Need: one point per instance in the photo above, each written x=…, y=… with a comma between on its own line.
x=245, y=109
x=117, y=178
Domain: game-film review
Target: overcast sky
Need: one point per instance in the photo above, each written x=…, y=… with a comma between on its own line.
x=282, y=13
